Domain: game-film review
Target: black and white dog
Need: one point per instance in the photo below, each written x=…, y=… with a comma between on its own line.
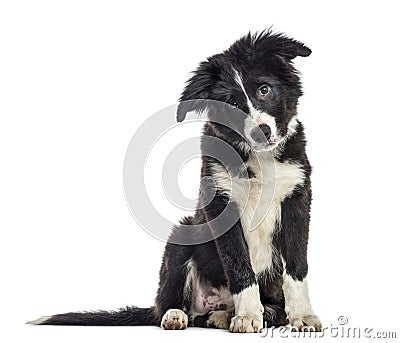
x=254, y=202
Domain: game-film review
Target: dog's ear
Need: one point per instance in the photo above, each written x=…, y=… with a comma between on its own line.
x=290, y=48
x=197, y=87
x=276, y=44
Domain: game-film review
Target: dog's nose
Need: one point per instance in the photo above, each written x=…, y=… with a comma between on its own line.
x=261, y=134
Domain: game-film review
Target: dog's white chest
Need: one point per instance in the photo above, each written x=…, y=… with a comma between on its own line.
x=259, y=201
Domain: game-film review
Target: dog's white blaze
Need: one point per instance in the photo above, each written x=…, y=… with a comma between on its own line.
x=259, y=117
x=297, y=301
x=248, y=125
x=259, y=200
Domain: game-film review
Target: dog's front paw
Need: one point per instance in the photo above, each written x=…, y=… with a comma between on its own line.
x=246, y=323
x=306, y=323
x=174, y=319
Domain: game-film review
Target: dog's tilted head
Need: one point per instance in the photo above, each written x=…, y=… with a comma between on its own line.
x=256, y=80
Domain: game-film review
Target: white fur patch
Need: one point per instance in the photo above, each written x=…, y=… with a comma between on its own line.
x=297, y=303
x=190, y=277
x=259, y=201
x=39, y=321
x=292, y=126
x=248, y=311
x=247, y=302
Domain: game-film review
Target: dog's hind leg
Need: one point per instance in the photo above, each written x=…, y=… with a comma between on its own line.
x=172, y=301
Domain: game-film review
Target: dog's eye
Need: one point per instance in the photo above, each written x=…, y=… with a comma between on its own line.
x=234, y=105
x=263, y=91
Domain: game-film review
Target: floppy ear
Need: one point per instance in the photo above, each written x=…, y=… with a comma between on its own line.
x=291, y=48
x=267, y=42
x=197, y=87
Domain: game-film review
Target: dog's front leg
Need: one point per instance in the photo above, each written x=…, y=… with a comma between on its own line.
x=235, y=258
x=293, y=245
x=248, y=311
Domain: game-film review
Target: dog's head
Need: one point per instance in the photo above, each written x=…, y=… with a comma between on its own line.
x=256, y=80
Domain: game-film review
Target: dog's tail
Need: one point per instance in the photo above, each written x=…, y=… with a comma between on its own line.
x=128, y=316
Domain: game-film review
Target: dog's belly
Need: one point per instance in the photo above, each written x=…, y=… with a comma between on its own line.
x=207, y=298
x=259, y=201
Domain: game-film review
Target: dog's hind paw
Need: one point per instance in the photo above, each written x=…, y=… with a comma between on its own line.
x=174, y=319
x=220, y=319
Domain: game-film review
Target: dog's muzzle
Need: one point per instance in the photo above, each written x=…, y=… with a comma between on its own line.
x=261, y=134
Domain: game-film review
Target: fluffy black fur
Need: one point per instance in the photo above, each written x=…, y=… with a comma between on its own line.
x=224, y=261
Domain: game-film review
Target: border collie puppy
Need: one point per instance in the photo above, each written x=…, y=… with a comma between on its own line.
x=254, y=202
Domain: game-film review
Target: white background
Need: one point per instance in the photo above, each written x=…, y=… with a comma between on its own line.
x=77, y=78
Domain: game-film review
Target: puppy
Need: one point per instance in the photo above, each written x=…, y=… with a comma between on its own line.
x=240, y=262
